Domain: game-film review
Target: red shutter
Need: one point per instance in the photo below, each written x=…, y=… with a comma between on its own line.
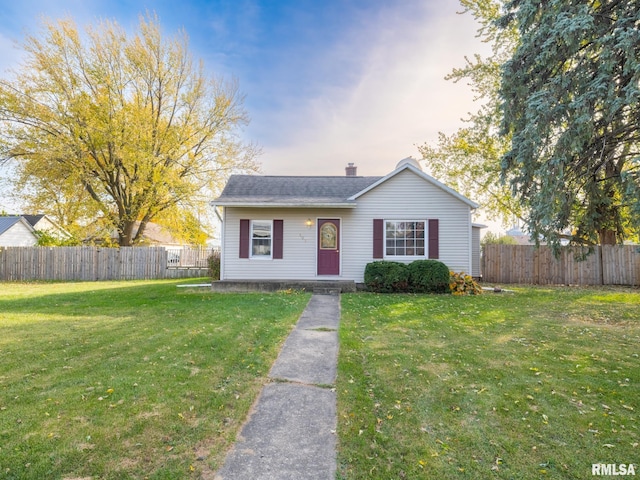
x=278, y=237
x=378, y=238
x=434, y=239
x=244, y=238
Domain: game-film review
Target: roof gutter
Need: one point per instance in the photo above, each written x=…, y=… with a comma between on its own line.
x=215, y=209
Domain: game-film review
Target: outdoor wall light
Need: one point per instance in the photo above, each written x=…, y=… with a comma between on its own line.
x=309, y=223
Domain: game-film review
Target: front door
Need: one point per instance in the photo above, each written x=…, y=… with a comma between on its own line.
x=329, y=247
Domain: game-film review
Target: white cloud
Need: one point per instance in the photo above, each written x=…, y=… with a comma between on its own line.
x=10, y=54
x=398, y=100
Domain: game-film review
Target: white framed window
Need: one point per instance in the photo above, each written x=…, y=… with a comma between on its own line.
x=261, y=238
x=405, y=238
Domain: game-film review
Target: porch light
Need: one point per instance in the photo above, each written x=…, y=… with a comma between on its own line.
x=309, y=223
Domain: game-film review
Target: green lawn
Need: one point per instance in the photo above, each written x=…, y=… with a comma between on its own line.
x=119, y=380
x=540, y=383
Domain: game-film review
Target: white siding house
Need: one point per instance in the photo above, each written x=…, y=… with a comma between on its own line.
x=15, y=231
x=329, y=228
x=42, y=223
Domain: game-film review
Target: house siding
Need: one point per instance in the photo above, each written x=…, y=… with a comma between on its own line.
x=475, y=249
x=18, y=235
x=405, y=196
x=298, y=244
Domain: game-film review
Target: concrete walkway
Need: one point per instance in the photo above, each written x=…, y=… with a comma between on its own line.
x=291, y=432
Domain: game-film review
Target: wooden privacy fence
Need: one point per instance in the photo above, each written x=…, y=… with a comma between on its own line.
x=96, y=263
x=605, y=265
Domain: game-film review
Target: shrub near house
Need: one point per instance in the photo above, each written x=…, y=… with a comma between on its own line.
x=420, y=276
x=428, y=276
x=386, y=277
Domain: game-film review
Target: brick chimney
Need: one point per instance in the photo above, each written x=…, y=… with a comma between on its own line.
x=351, y=170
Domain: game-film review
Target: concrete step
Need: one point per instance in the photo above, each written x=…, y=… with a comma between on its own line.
x=322, y=287
x=326, y=291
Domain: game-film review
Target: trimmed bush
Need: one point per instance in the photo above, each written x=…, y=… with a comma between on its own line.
x=463, y=284
x=386, y=277
x=428, y=276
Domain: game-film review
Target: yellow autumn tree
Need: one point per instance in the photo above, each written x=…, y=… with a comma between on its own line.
x=131, y=120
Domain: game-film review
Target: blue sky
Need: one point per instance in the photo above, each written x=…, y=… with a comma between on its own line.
x=326, y=82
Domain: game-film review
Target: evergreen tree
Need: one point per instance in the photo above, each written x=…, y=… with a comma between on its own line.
x=571, y=106
x=469, y=159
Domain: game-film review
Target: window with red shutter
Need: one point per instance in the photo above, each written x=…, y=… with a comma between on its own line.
x=278, y=238
x=434, y=239
x=378, y=238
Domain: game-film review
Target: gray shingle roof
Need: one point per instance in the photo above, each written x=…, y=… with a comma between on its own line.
x=7, y=222
x=32, y=219
x=291, y=190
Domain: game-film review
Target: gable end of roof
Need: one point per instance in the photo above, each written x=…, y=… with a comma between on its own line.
x=9, y=221
x=424, y=176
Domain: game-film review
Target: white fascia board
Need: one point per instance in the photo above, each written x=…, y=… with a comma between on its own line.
x=27, y=224
x=422, y=175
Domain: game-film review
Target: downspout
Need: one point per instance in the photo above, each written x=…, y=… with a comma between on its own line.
x=215, y=209
x=470, y=259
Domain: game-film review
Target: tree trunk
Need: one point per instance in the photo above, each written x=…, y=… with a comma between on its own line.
x=608, y=237
x=125, y=236
x=141, y=228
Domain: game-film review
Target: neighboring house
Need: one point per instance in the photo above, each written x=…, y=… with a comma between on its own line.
x=154, y=235
x=330, y=228
x=15, y=231
x=42, y=223
x=522, y=238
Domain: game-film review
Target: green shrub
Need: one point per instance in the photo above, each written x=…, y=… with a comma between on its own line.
x=386, y=277
x=492, y=239
x=463, y=284
x=428, y=276
x=214, y=265
x=48, y=239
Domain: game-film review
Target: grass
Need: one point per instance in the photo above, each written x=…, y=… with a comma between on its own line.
x=541, y=383
x=135, y=380
x=128, y=380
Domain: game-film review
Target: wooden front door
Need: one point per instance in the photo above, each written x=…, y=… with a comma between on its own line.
x=329, y=247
